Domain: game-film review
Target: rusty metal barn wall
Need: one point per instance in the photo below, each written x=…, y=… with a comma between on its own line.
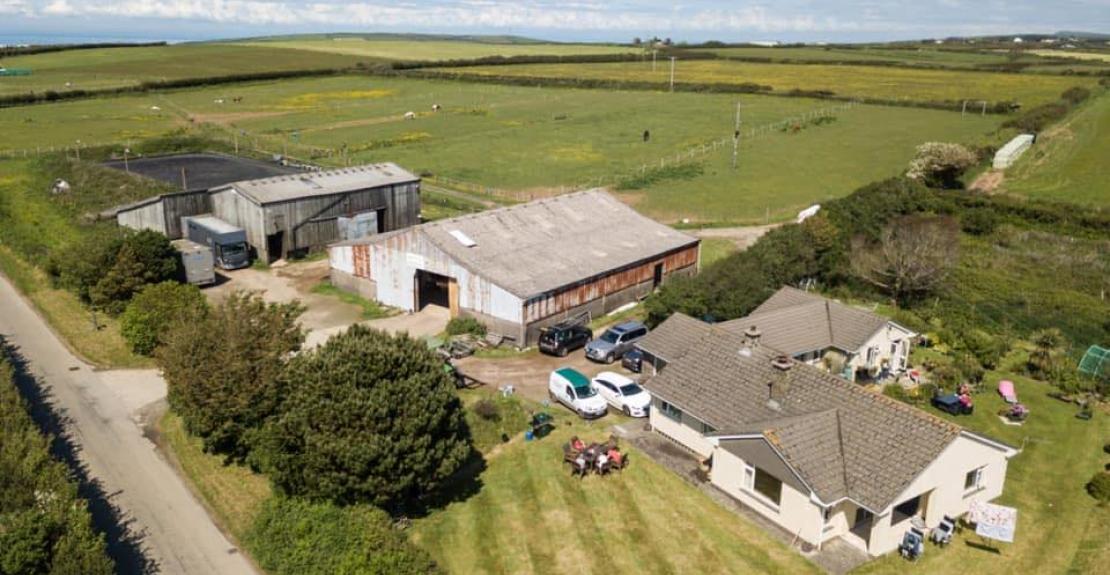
x=577, y=295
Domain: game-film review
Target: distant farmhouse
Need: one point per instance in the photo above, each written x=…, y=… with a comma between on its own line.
x=283, y=210
x=851, y=342
x=520, y=268
x=818, y=455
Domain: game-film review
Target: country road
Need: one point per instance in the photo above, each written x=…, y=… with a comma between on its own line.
x=169, y=529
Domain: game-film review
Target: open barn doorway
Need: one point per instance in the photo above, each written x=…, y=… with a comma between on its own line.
x=432, y=289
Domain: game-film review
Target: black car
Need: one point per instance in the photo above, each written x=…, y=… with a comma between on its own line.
x=561, y=339
x=633, y=361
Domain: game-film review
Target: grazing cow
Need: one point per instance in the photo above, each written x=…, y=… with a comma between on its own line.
x=410, y=115
x=237, y=99
x=647, y=136
x=435, y=107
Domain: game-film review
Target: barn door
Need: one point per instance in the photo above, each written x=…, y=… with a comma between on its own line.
x=453, y=297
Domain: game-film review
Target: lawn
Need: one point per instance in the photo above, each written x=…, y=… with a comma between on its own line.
x=538, y=141
x=530, y=516
x=1069, y=161
x=1060, y=529
x=885, y=83
x=387, y=49
x=114, y=67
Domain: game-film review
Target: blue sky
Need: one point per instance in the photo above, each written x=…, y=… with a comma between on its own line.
x=614, y=20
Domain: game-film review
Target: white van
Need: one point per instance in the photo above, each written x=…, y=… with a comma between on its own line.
x=572, y=389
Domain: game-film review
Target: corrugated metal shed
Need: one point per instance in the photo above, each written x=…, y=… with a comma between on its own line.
x=536, y=248
x=329, y=182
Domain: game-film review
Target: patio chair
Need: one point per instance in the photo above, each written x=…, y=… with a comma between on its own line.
x=913, y=544
x=942, y=535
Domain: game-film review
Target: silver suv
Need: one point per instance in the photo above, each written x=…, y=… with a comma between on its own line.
x=616, y=341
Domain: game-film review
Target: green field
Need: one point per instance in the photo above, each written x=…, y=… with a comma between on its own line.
x=884, y=83
x=1069, y=161
x=533, y=141
x=393, y=50
x=541, y=140
x=924, y=56
x=114, y=67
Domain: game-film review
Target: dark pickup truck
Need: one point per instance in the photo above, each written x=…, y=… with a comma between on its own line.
x=563, y=338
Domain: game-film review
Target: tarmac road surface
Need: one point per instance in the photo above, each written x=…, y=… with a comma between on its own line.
x=173, y=533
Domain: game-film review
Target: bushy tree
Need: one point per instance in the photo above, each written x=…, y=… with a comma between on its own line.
x=940, y=164
x=1099, y=486
x=370, y=417
x=154, y=309
x=144, y=257
x=1048, y=345
x=297, y=537
x=108, y=268
x=222, y=369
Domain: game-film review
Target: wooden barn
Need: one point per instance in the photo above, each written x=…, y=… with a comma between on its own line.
x=520, y=268
x=300, y=213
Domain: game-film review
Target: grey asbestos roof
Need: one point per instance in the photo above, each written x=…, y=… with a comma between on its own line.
x=796, y=321
x=535, y=248
x=842, y=440
x=324, y=183
x=674, y=337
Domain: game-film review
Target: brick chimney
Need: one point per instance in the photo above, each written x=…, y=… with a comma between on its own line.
x=780, y=382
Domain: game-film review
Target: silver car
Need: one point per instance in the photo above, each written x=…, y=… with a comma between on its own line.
x=616, y=341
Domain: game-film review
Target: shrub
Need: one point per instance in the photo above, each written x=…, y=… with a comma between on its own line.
x=940, y=164
x=1038, y=118
x=466, y=326
x=157, y=307
x=395, y=430
x=1048, y=345
x=969, y=368
x=1099, y=486
x=1075, y=95
x=45, y=527
x=897, y=392
x=108, y=270
x=487, y=410
x=222, y=369
x=1106, y=448
x=295, y=537
x=979, y=222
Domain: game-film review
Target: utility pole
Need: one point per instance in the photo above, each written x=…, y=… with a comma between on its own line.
x=672, y=73
x=77, y=149
x=184, y=182
x=126, y=168
x=653, y=52
x=736, y=138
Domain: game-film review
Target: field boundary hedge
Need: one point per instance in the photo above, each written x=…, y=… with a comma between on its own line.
x=32, y=50
x=31, y=98
x=999, y=107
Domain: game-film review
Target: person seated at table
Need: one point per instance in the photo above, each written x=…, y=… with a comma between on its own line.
x=580, y=464
x=576, y=444
x=602, y=462
x=614, y=457
x=965, y=400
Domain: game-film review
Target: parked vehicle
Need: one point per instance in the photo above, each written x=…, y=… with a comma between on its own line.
x=563, y=338
x=197, y=262
x=623, y=393
x=954, y=404
x=228, y=243
x=616, y=341
x=572, y=389
x=633, y=360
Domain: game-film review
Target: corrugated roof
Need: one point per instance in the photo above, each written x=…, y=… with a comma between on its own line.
x=842, y=440
x=535, y=248
x=327, y=182
x=796, y=321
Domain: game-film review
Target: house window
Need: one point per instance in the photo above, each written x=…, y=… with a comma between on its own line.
x=706, y=428
x=671, y=411
x=973, y=479
x=763, y=483
x=905, y=510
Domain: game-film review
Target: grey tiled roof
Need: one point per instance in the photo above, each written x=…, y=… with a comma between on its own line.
x=842, y=440
x=674, y=337
x=795, y=321
x=535, y=248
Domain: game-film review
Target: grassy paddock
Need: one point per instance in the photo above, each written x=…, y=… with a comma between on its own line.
x=103, y=68
x=843, y=80
x=412, y=50
x=1069, y=161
